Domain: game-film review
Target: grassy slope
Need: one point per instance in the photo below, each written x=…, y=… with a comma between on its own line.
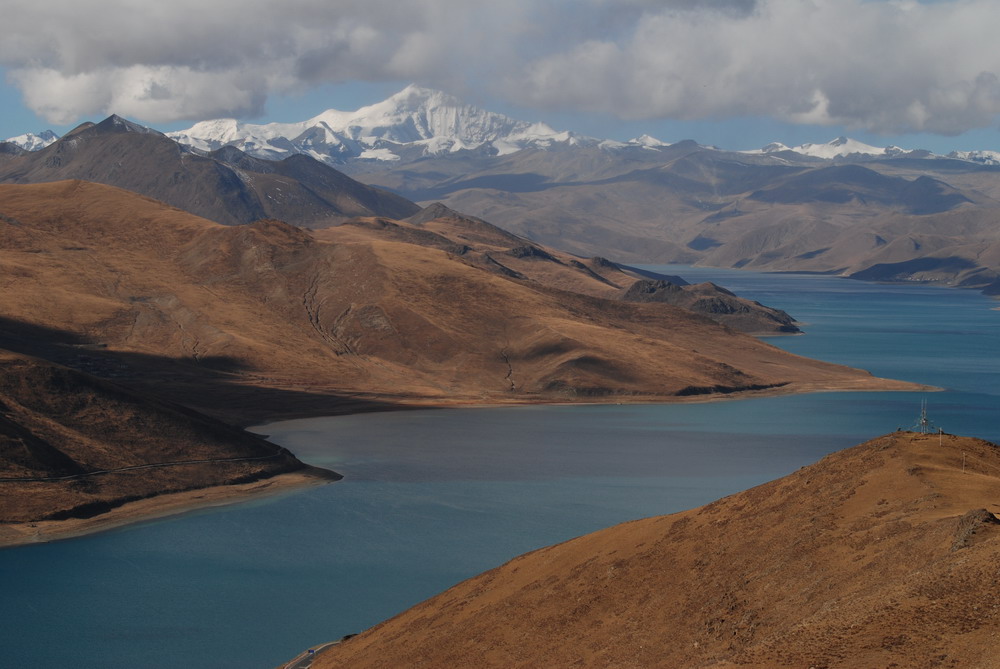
x=885, y=554
x=251, y=321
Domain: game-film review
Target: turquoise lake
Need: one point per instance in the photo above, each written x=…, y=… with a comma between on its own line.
x=434, y=496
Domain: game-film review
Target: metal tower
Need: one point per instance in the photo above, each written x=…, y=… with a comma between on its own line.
x=924, y=424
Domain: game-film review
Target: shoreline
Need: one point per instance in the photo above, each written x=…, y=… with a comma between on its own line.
x=161, y=506
x=353, y=407
x=171, y=504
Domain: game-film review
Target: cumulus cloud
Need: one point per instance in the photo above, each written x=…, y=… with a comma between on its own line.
x=889, y=65
x=196, y=59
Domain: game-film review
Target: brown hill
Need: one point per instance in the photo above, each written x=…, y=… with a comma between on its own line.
x=883, y=555
x=491, y=248
x=226, y=186
x=258, y=321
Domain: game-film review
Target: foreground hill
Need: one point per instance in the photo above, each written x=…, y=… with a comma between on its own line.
x=881, y=555
x=266, y=320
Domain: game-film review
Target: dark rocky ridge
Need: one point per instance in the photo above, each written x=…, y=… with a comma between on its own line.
x=75, y=446
x=715, y=302
x=226, y=186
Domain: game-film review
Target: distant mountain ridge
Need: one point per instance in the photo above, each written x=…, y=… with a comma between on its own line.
x=843, y=207
x=420, y=121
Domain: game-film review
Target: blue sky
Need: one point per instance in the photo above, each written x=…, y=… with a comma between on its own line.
x=734, y=73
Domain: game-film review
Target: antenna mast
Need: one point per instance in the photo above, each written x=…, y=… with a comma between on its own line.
x=924, y=424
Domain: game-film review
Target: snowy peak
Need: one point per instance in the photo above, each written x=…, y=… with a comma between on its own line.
x=416, y=114
x=29, y=141
x=981, y=157
x=416, y=121
x=841, y=147
x=838, y=148
x=647, y=141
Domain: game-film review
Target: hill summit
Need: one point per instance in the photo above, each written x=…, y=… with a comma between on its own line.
x=882, y=555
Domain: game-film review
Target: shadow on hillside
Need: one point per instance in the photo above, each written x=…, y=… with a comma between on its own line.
x=220, y=386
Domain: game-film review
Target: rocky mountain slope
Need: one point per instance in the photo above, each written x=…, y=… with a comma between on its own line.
x=75, y=446
x=689, y=204
x=226, y=186
x=495, y=250
x=232, y=187
x=881, y=555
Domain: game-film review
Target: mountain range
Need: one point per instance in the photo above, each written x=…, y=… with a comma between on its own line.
x=843, y=207
x=417, y=122
x=232, y=188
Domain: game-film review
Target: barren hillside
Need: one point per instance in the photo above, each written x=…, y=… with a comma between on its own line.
x=882, y=555
x=258, y=321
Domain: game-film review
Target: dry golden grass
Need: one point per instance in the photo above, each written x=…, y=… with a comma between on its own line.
x=256, y=321
x=883, y=555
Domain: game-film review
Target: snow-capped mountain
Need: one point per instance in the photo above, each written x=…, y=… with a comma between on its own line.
x=414, y=120
x=982, y=157
x=841, y=147
x=648, y=142
x=29, y=141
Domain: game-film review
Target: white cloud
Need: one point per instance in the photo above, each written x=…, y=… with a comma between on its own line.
x=888, y=66
x=885, y=67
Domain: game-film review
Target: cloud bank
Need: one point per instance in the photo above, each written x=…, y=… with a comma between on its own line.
x=890, y=66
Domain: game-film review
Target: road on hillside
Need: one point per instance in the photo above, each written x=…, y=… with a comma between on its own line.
x=305, y=659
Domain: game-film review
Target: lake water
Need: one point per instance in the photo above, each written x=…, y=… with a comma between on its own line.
x=433, y=497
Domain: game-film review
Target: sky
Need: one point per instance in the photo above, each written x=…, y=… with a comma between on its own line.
x=737, y=74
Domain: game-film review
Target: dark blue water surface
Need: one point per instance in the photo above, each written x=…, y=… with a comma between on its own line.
x=432, y=497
